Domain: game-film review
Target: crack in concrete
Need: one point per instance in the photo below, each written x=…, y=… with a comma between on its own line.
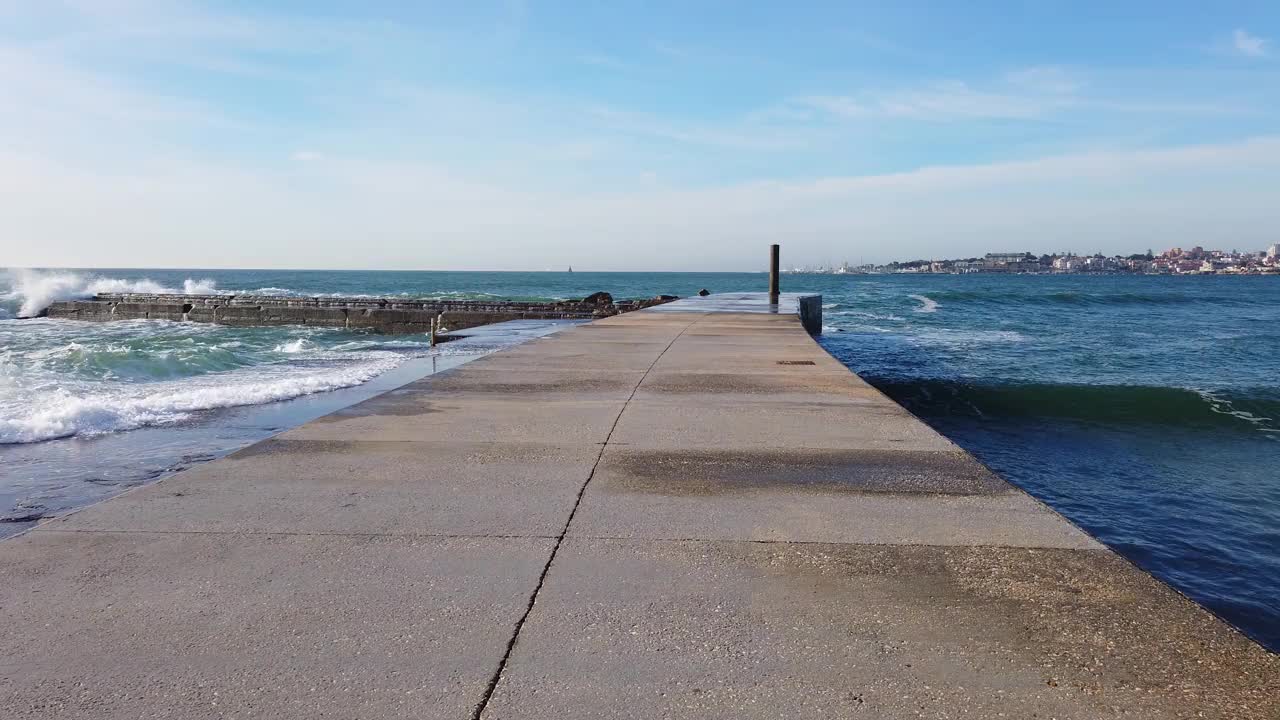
x=542, y=578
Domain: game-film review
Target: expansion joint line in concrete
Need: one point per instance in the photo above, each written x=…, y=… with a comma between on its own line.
x=555, y=549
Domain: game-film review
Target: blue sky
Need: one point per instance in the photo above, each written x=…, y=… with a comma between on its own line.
x=524, y=135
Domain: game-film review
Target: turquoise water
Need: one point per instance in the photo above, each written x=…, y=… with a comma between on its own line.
x=1146, y=409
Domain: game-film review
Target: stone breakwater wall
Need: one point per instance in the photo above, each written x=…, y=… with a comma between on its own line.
x=386, y=315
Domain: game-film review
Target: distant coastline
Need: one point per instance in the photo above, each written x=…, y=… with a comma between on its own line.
x=1174, y=261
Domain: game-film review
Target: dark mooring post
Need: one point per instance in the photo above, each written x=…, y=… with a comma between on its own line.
x=775, y=253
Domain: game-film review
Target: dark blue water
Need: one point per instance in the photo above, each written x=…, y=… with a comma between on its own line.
x=1146, y=409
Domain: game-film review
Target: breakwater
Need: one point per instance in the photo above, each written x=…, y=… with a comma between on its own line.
x=385, y=315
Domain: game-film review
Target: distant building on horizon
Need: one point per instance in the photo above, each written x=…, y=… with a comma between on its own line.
x=1010, y=262
x=1006, y=258
x=1274, y=251
x=1069, y=263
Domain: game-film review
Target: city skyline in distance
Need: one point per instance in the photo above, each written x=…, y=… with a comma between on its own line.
x=1195, y=260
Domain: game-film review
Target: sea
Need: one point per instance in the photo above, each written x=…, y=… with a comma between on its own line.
x=1144, y=409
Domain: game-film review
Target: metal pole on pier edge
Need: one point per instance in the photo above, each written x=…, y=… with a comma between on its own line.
x=775, y=253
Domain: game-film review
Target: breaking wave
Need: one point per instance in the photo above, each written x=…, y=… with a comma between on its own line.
x=32, y=291
x=927, y=305
x=292, y=347
x=63, y=413
x=1126, y=405
x=866, y=315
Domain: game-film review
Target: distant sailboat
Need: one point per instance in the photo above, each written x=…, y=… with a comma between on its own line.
x=570, y=268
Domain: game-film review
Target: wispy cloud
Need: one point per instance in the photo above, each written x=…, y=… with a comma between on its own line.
x=1030, y=94
x=47, y=97
x=1250, y=45
x=1046, y=79
x=672, y=51
x=603, y=60
x=741, y=134
x=837, y=105
x=1022, y=95
x=952, y=100
x=881, y=44
x=711, y=55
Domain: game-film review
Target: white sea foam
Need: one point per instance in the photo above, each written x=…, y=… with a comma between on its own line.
x=35, y=290
x=292, y=347
x=1223, y=406
x=868, y=315
x=927, y=305
x=63, y=413
x=954, y=337
x=204, y=286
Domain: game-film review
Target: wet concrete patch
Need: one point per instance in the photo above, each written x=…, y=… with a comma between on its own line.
x=771, y=383
x=802, y=423
x=459, y=451
x=702, y=473
x=362, y=486
x=278, y=446
x=386, y=405
x=531, y=384
x=457, y=418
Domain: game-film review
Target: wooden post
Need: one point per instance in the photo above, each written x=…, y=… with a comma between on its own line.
x=774, y=255
x=433, y=332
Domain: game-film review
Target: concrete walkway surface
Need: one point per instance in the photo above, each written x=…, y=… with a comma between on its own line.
x=675, y=514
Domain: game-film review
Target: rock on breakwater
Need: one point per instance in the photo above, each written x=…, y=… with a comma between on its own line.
x=386, y=315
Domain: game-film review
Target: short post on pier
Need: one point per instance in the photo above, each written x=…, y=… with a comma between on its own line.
x=775, y=254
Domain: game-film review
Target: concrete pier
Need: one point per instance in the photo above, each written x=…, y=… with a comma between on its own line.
x=686, y=512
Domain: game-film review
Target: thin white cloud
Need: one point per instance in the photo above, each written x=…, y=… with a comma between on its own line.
x=1046, y=79
x=1250, y=45
x=1020, y=94
x=957, y=100
x=66, y=110
x=945, y=101
x=671, y=51
x=1031, y=93
x=840, y=106
x=745, y=134
x=603, y=60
